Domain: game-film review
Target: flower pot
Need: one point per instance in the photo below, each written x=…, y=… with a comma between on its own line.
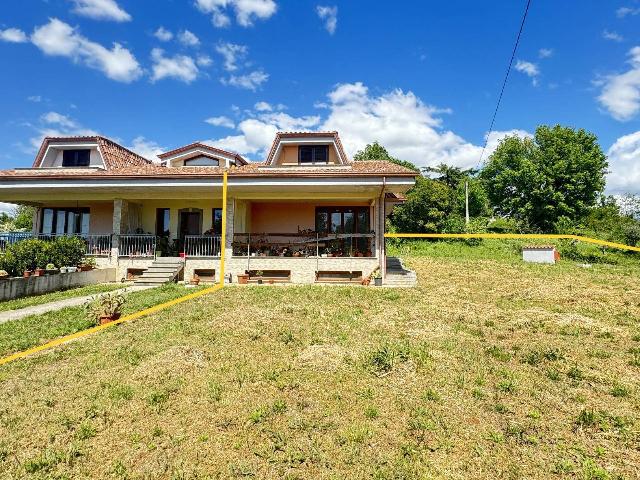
x=40, y=272
x=26, y=274
x=109, y=318
x=366, y=281
x=377, y=282
x=53, y=271
x=195, y=281
x=85, y=268
x=243, y=278
x=5, y=277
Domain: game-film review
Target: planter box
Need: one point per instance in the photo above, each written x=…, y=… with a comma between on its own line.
x=540, y=254
x=23, y=287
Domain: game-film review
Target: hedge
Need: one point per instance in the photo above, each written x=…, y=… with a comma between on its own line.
x=35, y=253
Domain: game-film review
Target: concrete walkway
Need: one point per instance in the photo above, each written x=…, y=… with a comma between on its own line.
x=57, y=305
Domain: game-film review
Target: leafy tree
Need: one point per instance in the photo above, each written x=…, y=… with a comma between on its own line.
x=452, y=176
x=375, y=151
x=555, y=177
x=23, y=217
x=426, y=209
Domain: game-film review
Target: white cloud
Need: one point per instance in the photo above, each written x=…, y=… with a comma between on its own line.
x=13, y=35
x=620, y=94
x=624, y=11
x=330, y=17
x=55, y=124
x=163, y=34
x=531, y=70
x=246, y=11
x=545, y=52
x=8, y=208
x=221, y=121
x=250, y=81
x=204, y=61
x=263, y=107
x=613, y=36
x=35, y=98
x=624, y=165
x=101, y=10
x=402, y=122
x=188, y=38
x=232, y=53
x=57, y=38
x=180, y=67
x=147, y=148
x=55, y=118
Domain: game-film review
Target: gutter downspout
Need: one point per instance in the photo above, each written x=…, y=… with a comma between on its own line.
x=381, y=221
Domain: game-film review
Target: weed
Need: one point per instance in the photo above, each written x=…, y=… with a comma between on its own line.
x=620, y=391
x=371, y=412
x=498, y=353
x=85, y=431
x=431, y=395
x=121, y=392
x=258, y=415
x=214, y=391
x=575, y=373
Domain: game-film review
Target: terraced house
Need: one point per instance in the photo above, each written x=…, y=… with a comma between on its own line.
x=307, y=213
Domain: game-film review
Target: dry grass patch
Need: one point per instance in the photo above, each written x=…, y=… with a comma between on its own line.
x=489, y=369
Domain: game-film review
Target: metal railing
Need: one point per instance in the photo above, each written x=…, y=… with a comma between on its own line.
x=306, y=244
x=202, y=245
x=136, y=245
x=9, y=238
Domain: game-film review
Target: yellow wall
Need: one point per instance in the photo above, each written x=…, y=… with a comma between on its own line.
x=289, y=155
x=101, y=220
x=283, y=217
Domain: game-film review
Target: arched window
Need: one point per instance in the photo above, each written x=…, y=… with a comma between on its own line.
x=201, y=162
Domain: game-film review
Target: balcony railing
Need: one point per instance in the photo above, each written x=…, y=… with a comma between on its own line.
x=137, y=245
x=304, y=244
x=202, y=245
x=98, y=245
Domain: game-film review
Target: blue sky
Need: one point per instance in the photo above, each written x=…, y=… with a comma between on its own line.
x=421, y=77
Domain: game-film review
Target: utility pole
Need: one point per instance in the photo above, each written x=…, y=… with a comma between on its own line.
x=466, y=201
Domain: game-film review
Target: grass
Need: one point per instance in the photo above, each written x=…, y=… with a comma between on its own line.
x=17, y=335
x=486, y=370
x=24, y=302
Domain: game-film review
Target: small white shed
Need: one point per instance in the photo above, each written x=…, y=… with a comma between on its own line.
x=540, y=254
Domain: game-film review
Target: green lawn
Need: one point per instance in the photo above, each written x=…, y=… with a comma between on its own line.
x=489, y=369
x=59, y=295
x=17, y=335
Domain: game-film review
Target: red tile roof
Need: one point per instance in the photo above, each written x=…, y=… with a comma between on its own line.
x=281, y=135
x=252, y=169
x=203, y=146
x=113, y=154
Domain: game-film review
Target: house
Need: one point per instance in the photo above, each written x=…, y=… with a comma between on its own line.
x=307, y=213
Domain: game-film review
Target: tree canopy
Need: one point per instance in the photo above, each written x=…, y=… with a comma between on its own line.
x=375, y=151
x=559, y=174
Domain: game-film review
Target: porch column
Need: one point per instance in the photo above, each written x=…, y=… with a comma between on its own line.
x=120, y=214
x=228, y=244
x=35, y=228
x=380, y=224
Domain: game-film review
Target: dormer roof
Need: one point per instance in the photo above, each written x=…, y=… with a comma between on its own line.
x=307, y=137
x=113, y=155
x=199, y=147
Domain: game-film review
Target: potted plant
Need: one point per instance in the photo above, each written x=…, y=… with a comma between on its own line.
x=259, y=276
x=195, y=280
x=51, y=269
x=366, y=281
x=39, y=272
x=88, y=263
x=105, y=308
x=243, y=278
x=26, y=274
x=377, y=278
x=4, y=275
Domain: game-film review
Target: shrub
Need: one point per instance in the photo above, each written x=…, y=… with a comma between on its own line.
x=35, y=253
x=67, y=251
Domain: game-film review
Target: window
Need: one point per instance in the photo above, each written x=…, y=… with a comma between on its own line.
x=61, y=221
x=162, y=222
x=76, y=158
x=313, y=154
x=216, y=216
x=201, y=162
x=345, y=221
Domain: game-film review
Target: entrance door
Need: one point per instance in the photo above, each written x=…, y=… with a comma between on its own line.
x=190, y=224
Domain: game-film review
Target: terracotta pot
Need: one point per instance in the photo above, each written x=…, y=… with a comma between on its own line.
x=243, y=279
x=109, y=318
x=26, y=274
x=366, y=281
x=85, y=268
x=195, y=281
x=40, y=272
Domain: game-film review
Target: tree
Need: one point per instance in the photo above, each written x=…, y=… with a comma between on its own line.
x=555, y=177
x=375, y=151
x=426, y=209
x=23, y=217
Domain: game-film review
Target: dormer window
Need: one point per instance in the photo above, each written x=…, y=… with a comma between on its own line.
x=313, y=154
x=201, y=162
x=76, y=158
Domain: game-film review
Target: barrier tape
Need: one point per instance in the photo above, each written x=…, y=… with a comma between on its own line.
x=141, y=313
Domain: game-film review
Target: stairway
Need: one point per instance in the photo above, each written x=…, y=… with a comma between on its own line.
x=162, y=270
x=397, y=275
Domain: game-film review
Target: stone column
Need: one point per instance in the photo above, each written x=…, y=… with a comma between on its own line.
x=35, y=228
x=228, y=245
x=120, y=220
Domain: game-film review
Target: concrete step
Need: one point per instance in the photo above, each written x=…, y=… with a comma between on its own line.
x=162, y=270
x=170, y=260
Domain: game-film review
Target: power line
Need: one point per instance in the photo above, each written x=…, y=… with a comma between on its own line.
x=506, y=77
